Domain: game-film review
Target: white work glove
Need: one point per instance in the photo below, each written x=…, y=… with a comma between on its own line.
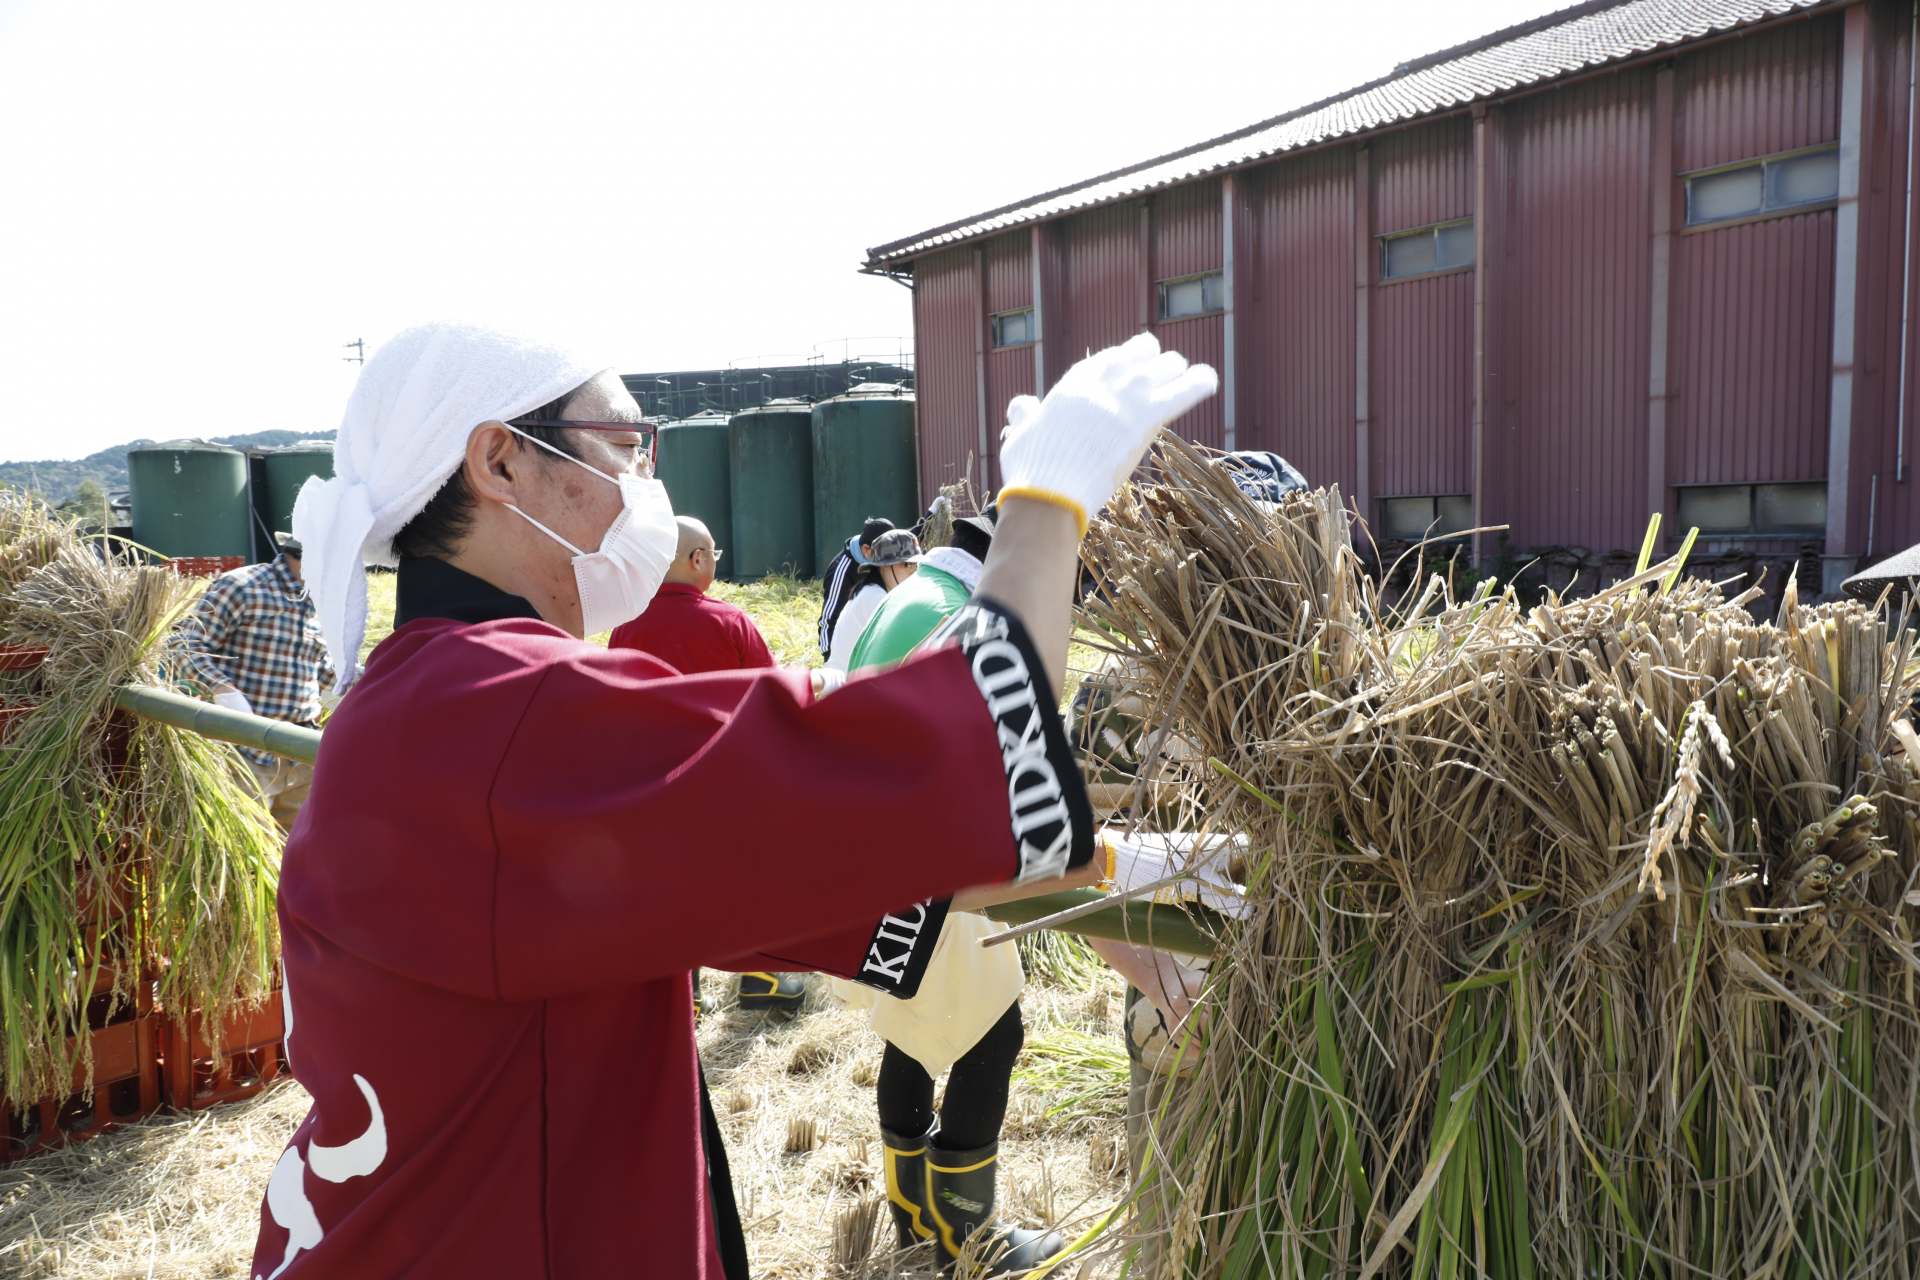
x=1079, y=445
x=233, y=700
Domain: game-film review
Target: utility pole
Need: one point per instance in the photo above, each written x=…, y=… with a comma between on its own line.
x=359, y=348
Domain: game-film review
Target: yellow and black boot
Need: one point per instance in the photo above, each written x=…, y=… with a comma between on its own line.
x=907, y=1186
x=781, y=993
x=960, y=1199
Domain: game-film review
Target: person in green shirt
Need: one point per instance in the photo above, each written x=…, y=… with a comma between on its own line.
x=913, y=610
x=941, y=1173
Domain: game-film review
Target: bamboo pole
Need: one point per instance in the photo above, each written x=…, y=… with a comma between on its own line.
x=1144, y=924
x=1136, y=922
x=209, y=721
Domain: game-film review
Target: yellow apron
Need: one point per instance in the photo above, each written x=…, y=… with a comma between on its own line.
x=965, y=990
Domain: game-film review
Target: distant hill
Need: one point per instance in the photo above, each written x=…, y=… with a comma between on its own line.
x=56, y=481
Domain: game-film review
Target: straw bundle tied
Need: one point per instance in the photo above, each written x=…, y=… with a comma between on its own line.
x=126, y=850
x=1584, y=940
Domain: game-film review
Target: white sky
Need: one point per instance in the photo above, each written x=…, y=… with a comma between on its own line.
x=201, y=201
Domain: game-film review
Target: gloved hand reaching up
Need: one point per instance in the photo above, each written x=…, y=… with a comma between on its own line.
x=1078, y=446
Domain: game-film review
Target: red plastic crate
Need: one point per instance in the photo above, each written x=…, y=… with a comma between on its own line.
x=126, y=1087
x=21, y=657
x=204, y=566
x=252, y=1055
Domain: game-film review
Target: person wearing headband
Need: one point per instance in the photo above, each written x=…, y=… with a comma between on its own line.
x=517, y=843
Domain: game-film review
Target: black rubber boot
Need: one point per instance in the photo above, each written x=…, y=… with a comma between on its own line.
x=960, y=1200
x=907, y=1186
x=772, y=992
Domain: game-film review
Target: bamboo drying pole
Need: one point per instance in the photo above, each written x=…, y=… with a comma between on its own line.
x=209, y=721
x=1136, y=922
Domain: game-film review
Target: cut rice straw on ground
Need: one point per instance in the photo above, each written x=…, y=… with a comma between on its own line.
x=1584, y=941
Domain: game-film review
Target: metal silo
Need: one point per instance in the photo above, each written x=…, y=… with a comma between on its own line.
x=864, y=464
x=770, y=449
x=190, y=499
x=690, y=459
x=277, y=477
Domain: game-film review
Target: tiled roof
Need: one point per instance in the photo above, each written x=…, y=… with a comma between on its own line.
x=1558, y=44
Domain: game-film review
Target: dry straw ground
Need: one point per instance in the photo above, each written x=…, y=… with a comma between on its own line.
x=178, y=1197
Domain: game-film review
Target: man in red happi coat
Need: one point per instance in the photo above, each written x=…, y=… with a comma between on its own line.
x=517, y=843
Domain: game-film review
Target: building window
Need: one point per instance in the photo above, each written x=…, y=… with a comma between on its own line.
x=1014, y=329
x=1754, y=509
x=1192, y=296
x=1775, y=185
x=1444, y=246
x=1411, y=519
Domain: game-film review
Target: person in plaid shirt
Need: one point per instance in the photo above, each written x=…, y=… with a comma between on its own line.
x=254, y=642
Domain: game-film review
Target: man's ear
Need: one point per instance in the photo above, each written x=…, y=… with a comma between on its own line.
x=493, y=462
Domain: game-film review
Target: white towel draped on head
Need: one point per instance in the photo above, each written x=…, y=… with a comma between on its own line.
x=403, y=435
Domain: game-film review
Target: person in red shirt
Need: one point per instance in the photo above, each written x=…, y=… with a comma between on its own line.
x=693, y=633
x=518, y=843
x=687, y=628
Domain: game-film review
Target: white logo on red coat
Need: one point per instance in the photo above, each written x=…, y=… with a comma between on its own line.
x=287, y=1202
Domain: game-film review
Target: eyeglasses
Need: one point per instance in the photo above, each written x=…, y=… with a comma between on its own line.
x=642, y=430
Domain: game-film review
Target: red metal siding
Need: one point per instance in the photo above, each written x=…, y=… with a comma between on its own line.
x=1106, y=279
x=1009, y=267
x=1886, y=151
x=1009, y=263
x=1423, y=175
x=1297, y=330
x=1770, y=92
x=946, y=316
x=1202, y=340
x=1751, y=372
x=1572, y=280
x=1058, y=348
x=1420, y=369
x=1186, y=241
x=1186, y=231
x=1420, y=346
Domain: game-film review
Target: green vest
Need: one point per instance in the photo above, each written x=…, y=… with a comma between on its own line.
x=910, y=613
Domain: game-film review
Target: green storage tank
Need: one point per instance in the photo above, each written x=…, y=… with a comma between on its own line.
x=690, y=459
x=277, y=477
x=864, y=464
x=190, y=499
x=770, y=449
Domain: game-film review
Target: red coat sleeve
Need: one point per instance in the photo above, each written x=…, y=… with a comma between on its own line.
x=646, y=825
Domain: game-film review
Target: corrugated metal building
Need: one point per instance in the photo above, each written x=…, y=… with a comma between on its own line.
x=1634, y=256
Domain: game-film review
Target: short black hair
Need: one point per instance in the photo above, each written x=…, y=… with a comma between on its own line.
x=972, y=535
x=439, y=526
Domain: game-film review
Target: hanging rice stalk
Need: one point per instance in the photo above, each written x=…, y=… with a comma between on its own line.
x=1061, y=960
x=125, y=849
x=1584, y=940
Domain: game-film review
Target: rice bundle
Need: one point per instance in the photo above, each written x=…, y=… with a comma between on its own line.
x=125, y=850
x=1585, y=932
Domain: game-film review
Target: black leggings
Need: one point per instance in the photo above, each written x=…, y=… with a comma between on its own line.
x=976, y=1103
